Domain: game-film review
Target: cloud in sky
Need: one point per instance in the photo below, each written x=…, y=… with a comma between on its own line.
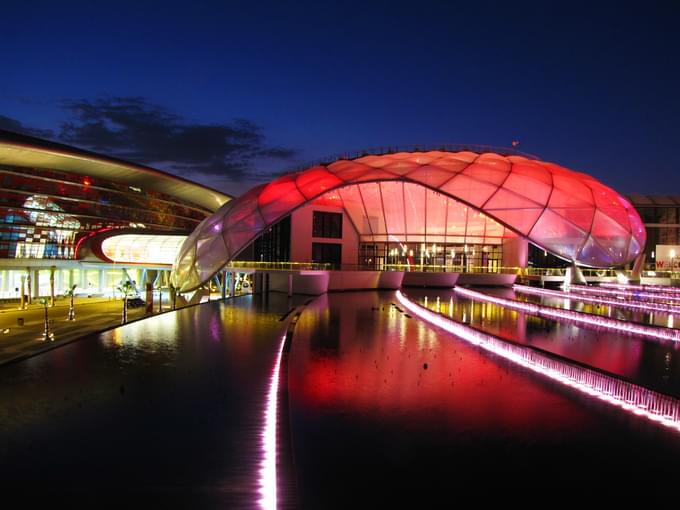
x=138, y=130
x=14, y=125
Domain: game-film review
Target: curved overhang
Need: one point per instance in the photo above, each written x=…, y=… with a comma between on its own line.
x=129, y=246
x=25, y=151
x=157, y=249
x=567, y=213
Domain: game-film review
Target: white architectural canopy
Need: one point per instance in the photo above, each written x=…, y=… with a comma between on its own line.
x=436, y=196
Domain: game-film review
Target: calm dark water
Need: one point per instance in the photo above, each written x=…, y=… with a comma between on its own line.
x=166, y=411
x=373, y=427
x=652, y=363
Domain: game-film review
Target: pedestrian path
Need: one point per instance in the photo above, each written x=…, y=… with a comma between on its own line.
x=21, y=331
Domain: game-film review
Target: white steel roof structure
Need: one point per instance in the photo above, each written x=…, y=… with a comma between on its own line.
x=434, y=196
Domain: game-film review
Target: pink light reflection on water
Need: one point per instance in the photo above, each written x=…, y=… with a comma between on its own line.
x=268, y=479
x=632, y=398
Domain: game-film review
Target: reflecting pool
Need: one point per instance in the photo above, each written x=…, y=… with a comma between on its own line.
x=166, y=411
x=652, y=363
x=377, y=409
x=385, y=410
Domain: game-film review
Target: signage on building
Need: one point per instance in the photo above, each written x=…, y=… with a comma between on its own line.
x=667, y=257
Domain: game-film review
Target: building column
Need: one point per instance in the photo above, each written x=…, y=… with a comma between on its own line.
x=142, y=278
x=232, y=283
x=83, y=279
x=36, y=283
x=149, y=296
x=23, y=292
x=102, y=280
x=52, y=268
x=5, y=282
x=224, y=285
x=60, y=282
x=29, y=279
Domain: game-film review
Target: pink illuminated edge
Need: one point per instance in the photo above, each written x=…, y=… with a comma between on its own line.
x=600, y=300
x=268, y=480
x=659, y=289
x=644, y=296
x=632, y=328
x=636, y=400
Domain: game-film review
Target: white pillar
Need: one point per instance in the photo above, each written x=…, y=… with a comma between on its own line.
x=36, y=283
x=83, y=278
x=60, y=281
x=102, y=280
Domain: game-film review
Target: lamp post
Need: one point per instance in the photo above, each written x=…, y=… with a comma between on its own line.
x=48, y=336
x=71, y=311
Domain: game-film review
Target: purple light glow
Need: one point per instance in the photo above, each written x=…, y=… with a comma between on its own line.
x=625, y=293
x=645, y=307
x=632, y=398
x=570, y=315
x=268, y=469
x=660, y=289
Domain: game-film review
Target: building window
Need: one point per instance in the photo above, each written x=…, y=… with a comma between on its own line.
x=327, y=224
x=329, y=253
x=273, y=245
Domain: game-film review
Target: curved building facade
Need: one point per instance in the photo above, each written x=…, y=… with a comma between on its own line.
x=447, y=209
x=56, y=201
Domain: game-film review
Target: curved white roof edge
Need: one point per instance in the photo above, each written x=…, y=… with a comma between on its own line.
x=23, y=151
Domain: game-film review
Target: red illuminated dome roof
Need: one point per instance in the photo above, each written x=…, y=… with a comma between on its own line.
x=567, y=213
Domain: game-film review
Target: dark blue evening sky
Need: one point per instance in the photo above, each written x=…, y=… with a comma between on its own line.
x=594, y=88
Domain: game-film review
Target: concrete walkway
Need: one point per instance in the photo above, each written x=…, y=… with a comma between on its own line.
x=92, y=314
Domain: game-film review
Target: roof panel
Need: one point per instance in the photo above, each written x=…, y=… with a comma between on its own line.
x=278, y=198
x=469, y=190
x=558, y=236
x=493, y=174
x=316, y=181
x=430, y=175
